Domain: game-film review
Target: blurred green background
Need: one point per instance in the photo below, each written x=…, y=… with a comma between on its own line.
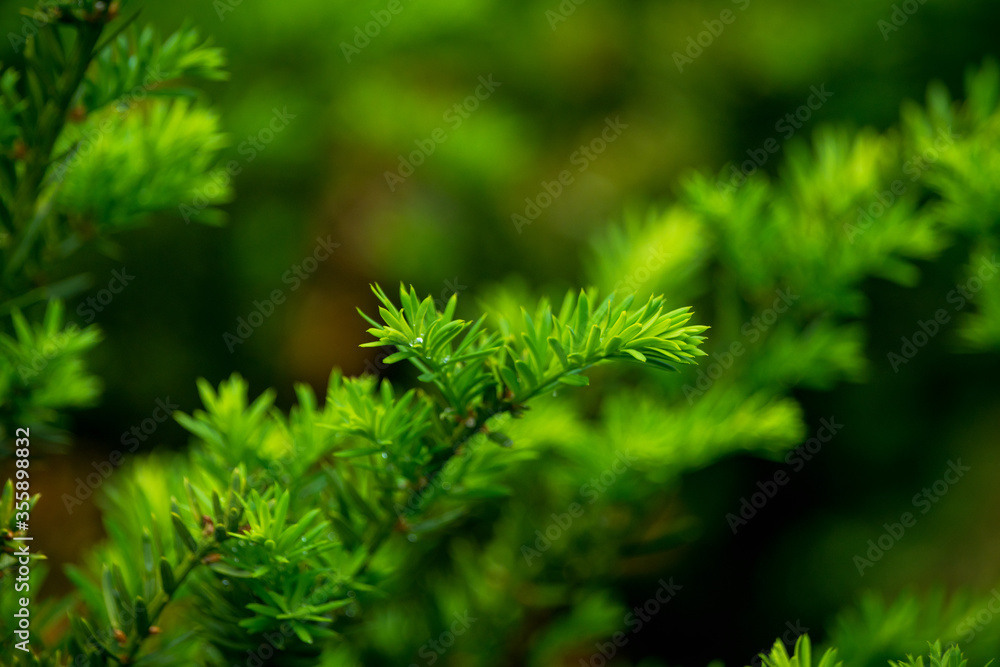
x=448, y=228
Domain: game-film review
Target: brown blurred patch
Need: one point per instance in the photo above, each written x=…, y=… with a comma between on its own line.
x=63, y=535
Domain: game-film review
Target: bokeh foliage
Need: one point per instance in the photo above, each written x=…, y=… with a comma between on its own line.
x=793, y=240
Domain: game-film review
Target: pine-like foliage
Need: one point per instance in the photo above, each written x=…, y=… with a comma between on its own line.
x=363, y=524
x=289, y=520
x=952, y=657
x=42, y=371
x=801, y=657
x=99, y=127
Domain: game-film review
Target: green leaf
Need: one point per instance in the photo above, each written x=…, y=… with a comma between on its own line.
x=183, y=533
x=264, y=609
x=301, y=632
x=167, y=576
x=560, y=352
x=344, y=530
x=501, y=439
x=230, y=571
x=112, y=598
x=354, y=453
x=192, y=501
x=281, y=511
x=331, y=606
x=141, y=617
x=148, y=561
x=575, y=380
x=220, y=515
x=635, y=354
